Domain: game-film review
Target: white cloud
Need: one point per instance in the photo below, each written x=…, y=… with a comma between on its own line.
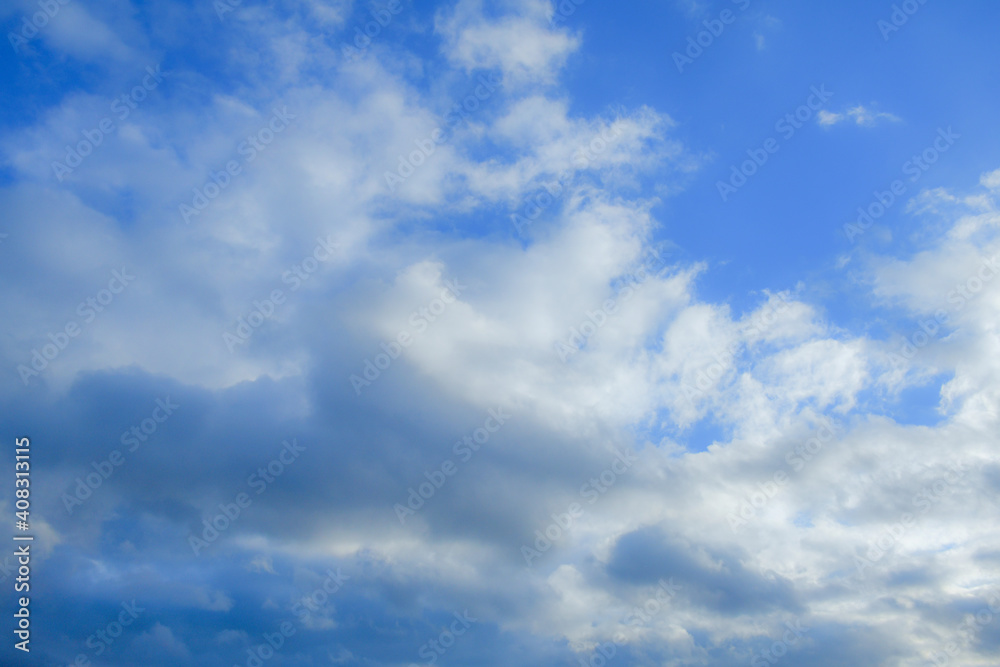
x=827, y=118
x=859, y=114
x=768, y=377
x=991, y=180
x=520, y=43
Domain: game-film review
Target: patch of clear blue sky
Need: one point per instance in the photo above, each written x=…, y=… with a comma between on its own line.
x=914, y=406
x=696, y=437
x=785, y=224
x=704, y=433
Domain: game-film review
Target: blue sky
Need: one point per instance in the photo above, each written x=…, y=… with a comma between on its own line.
x=514, y=333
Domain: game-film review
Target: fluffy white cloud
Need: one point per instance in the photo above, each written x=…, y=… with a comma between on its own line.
x=520, y=42
x=582, y=324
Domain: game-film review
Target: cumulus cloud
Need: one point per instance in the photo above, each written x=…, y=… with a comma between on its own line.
x=521, y=43
x=811, y=508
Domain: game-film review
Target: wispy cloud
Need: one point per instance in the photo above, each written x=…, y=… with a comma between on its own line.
x=859, y=114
